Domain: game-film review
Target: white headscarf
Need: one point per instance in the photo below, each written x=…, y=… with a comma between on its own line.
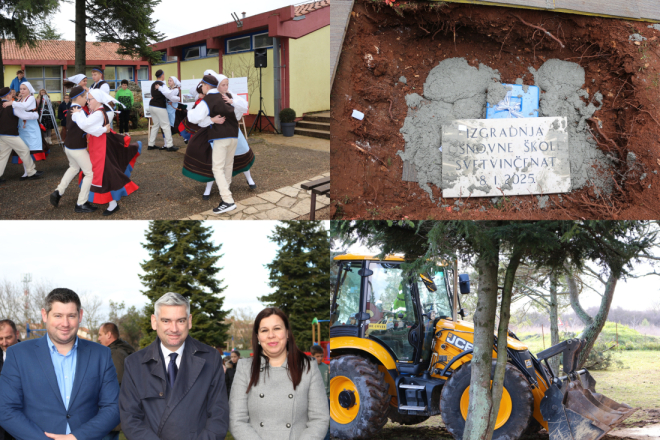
x=29, y=86
x=76, y=79
x=176, y=81
x=220, y=77
x=103, y=97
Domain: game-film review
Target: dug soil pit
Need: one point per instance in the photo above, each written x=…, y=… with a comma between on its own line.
x=410, y=68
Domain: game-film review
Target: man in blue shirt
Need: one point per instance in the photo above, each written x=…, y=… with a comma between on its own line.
x=59, y=386
x=16, y=82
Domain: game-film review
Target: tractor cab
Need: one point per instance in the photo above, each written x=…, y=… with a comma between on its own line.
x=374, y=299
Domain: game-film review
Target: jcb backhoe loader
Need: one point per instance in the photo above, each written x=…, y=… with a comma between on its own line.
x=400, y=349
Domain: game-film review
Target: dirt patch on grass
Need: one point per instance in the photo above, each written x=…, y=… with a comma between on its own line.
x=388, y=54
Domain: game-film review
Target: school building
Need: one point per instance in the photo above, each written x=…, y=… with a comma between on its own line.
x=302, y=33
x=47, y=64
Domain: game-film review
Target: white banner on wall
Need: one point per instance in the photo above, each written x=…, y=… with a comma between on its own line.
x=188, y=86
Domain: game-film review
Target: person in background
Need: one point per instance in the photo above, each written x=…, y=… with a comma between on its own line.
x=279, y=393
x=125, y=96
x=16, y=82
x=120, y=349
x=61, y=115
x=231, y=369
x=8, y=336
x=317, y=353
x=44, y=114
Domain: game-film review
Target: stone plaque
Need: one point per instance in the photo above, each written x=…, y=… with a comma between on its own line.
x=495, y=157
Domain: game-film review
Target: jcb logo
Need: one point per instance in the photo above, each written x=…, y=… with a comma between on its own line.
x=459, y=342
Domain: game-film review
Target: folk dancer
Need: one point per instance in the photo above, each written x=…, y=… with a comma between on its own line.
x=28, y=126
x=198, y=161
x=99, y=83
x=158, y=110
x=112, y=155
x=10, y=139
x=223, y=136
x=75, y=148
x=173, y=101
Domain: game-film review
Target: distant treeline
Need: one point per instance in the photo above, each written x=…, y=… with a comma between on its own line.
x=631, y=318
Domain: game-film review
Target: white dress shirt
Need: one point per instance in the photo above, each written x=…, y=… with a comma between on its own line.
x=167, y=353
x=171, y=94
x=92, y=124
x=21, y=108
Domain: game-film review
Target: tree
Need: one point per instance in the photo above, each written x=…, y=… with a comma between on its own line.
x=48, y=32
x=20, y=20
x=242, y=322
x=129, y=322
x=128, y=24
x=92, y=313
x=183, y=260
x=300, y=276
x=612, y=245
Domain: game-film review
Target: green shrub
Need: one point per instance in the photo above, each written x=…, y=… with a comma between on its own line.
x=600, y=358
x=287, y=115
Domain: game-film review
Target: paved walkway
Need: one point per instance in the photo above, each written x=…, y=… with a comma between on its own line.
x=284, y=203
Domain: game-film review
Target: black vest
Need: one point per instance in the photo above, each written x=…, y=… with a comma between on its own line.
x=8, y=122
x=75, y=137
x=218, y=106
x=157, y=98
x=99, y=84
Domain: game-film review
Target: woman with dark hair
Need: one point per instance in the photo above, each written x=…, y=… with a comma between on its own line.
x=44, y=113
x=278, y=394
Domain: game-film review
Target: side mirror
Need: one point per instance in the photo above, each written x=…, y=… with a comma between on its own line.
x=464, y=283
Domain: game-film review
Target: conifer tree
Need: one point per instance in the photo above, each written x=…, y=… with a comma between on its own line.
x=183, y=260
x=300, y=274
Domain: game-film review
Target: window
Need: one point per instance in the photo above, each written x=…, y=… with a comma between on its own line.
x=192, y=52
x=48, y=77
x=143, y=74
x=238, y=44
x=261, y=41
x=109, y=76
x=212, y=52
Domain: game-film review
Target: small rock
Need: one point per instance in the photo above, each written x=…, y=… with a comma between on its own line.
x=494, y=200
x=543, y=200
x=631, y=158
x=642, y=177
x=403, y=80
x=636, y=37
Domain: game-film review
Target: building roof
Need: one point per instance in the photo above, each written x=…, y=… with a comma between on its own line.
x=61, y=50
x=313, y=6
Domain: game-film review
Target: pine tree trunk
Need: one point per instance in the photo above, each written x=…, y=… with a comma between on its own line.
x=593, y=326
x=481, y=401
x=502, y=336
x=554, y=321
x=81, y=36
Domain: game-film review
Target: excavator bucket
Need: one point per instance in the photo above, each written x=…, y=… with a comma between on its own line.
x=571, y=406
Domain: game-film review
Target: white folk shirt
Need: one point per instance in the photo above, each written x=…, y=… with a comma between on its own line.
x=21, y=108
x=171, y=94
x=167, y=353
x=200, y=115
x=92, y=124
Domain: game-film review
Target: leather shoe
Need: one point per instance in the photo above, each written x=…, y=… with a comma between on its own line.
x=2, y=181
x=35, y=176
x=153, y=147
x=55, y=198
x=107, y=213
x=85, y=208
x=206, y=197
x=253, y=186
x=171, y=149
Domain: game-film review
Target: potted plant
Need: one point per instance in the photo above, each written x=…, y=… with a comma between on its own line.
x=288, y=121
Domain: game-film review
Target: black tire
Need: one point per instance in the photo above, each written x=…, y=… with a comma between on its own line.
x=515, y=383
x=372, y=390
x=533, y=428
x=403, y=419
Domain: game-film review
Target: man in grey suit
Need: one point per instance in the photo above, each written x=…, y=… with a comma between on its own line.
x=174, y=389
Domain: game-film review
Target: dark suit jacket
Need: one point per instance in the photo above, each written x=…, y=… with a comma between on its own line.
x=31, y=402
x=196, y=408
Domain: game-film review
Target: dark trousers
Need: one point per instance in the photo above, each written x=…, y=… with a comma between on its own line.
x=123, y=121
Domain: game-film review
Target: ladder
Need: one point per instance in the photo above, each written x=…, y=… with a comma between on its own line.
x=53, y=119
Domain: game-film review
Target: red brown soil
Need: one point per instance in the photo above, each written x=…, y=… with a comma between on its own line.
x=410, y=39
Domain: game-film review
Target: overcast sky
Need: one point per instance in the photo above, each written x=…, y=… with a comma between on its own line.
x=633, y=294
x=176, y=18
x=103, y=258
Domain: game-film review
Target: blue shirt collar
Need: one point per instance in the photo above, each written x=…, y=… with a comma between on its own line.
x=52, y=348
